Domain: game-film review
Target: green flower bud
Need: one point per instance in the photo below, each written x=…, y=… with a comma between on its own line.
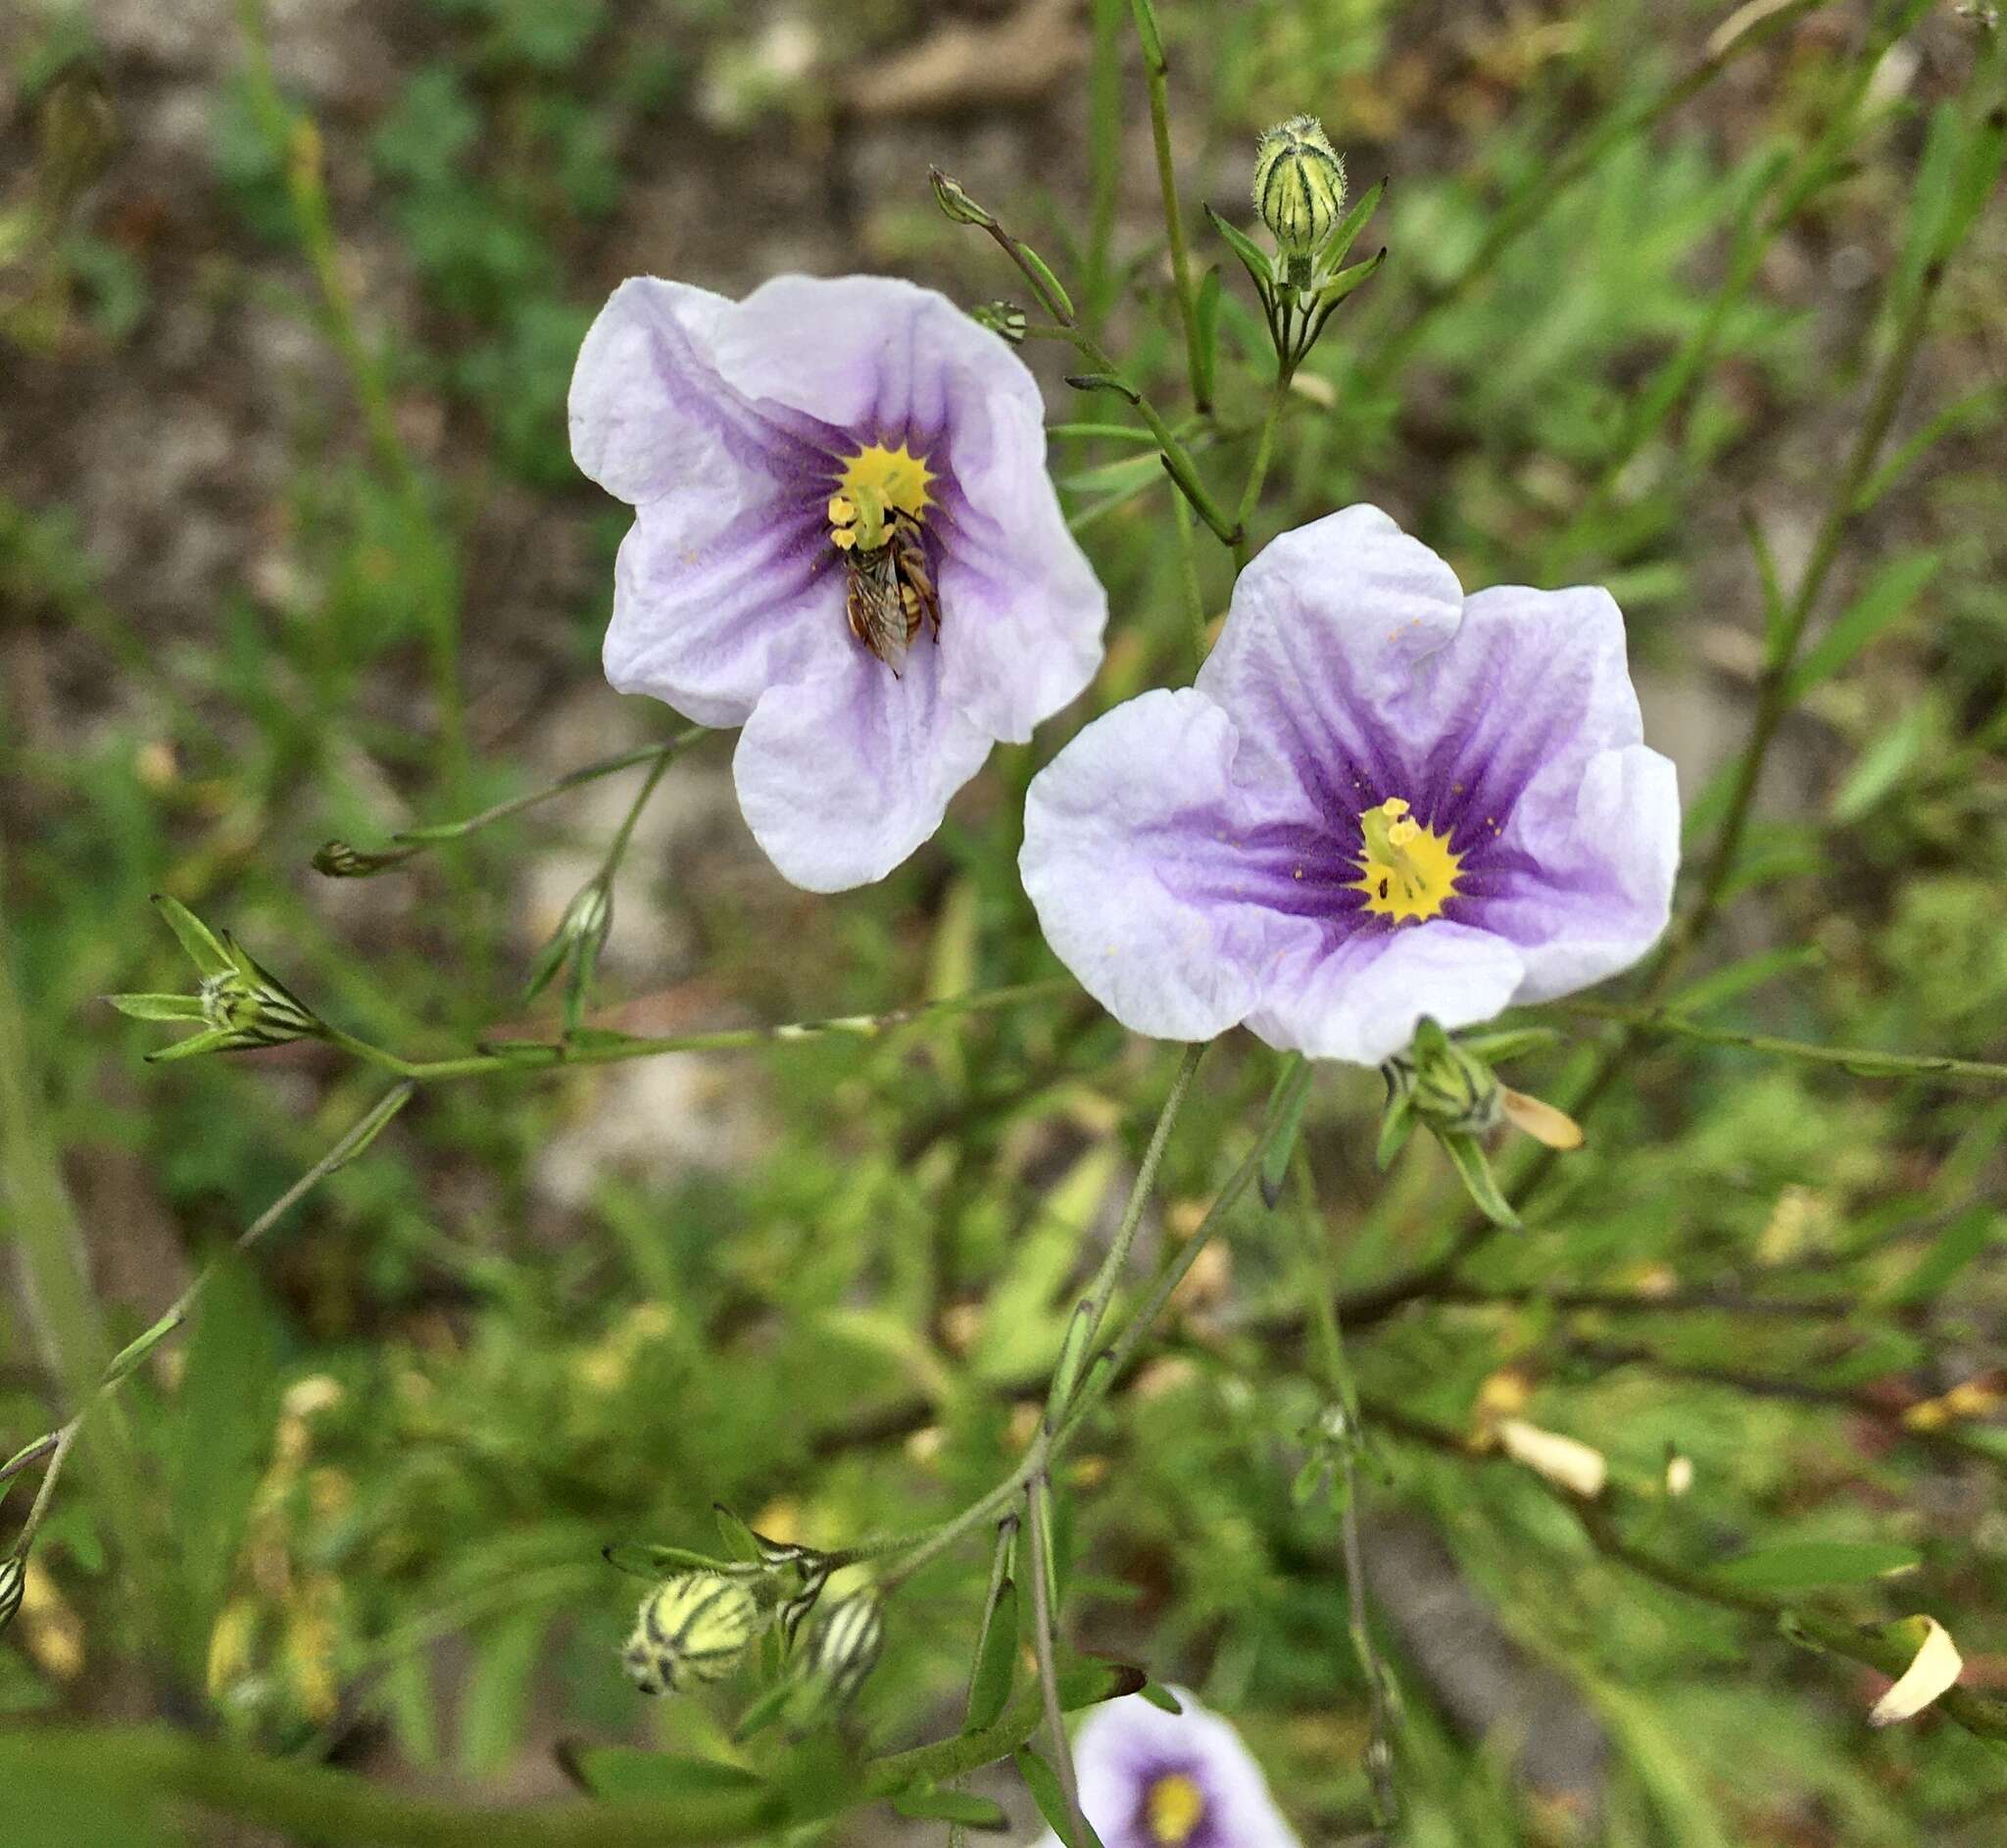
x=959, y=207
x=13, y=1586
x=1448, y=1088
x=1001, y=317
x=692, y=1628
x=1298, y=186
x=843, y=1650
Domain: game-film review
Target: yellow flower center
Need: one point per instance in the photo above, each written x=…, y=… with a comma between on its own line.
x=876, y=483
x=1406, y=871
x=1174, y=1806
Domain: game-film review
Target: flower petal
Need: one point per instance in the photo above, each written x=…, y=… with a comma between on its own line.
x=1317, y=659
x=1130, y=859
x=1360, y=999
x=1595, y=885
x=1933, y=1670
x=652, y=414
x=840, y=776
x=1022, y=612
x=713, y=605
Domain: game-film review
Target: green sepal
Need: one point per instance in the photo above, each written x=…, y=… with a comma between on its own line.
x=196, y=938
x=1475, y=1172
x=642, y=1560
x=159, y=1007
x=1254, y=257
x=1396, y=1127
x=1352, y=225
x=1511, y=1043
x=215, y=1040
x=1087, y=1684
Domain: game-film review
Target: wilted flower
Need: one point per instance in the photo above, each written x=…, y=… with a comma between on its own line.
x=1381, y=800
x=845, y=540
x=1155, y=1779
x=1298, y=186
x=692, y=1629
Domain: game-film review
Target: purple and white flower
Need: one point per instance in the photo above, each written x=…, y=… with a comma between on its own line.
x=1154, y=1779
x=845, y=540
x=1382, y=799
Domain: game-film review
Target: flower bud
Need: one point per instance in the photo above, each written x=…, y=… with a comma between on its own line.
x=1450, y=1089
x=1298, y=187
x=13, y=1586
x=1004, y=318
x=959, y=207
x=843, y=1650
x=692, y=1629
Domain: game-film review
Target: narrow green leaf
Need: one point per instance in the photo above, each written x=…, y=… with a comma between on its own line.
x=1103, y=381
x=1809, y=1565
x=495, y=1704
x=1352, y=224
x=1044, y=1784
x=1047, y=283
x=1287, y=1103
x=1880, y=768
x=1775, y=613
x=374, y=1124
x=1884, y=601
x=196, y=938
x=136, y=1350
x=1396, y=1127
x=989, y=1688
x=1207, y=314
x=1087, y=1684
x=1158, y=1695
x=1509, y=1043
x=1147, y=31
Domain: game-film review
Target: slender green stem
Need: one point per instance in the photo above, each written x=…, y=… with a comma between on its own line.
x=1188, y=579
x=1338, y=1380
x=1045, y=1644
x=1156, y=73
x=538, y=1055
x=1257, y=472
x=1866, y=1061
x=1103, y=1289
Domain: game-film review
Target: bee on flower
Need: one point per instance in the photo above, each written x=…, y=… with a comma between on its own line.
x=844, y=543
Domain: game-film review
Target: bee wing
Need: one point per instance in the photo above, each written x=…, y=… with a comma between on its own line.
x=877, y=614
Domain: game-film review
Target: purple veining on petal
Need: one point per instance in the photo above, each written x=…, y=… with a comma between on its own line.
x=1200, y=863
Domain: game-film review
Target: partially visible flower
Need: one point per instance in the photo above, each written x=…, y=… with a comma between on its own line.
x=692, y=1629
x=1381, y=800
x=13, y=1582
x=845, y=542
x=1155, y=1779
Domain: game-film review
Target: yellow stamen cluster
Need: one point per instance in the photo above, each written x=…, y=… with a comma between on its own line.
x=876, y=483
x=1174, y=1807
x=1406, y=871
